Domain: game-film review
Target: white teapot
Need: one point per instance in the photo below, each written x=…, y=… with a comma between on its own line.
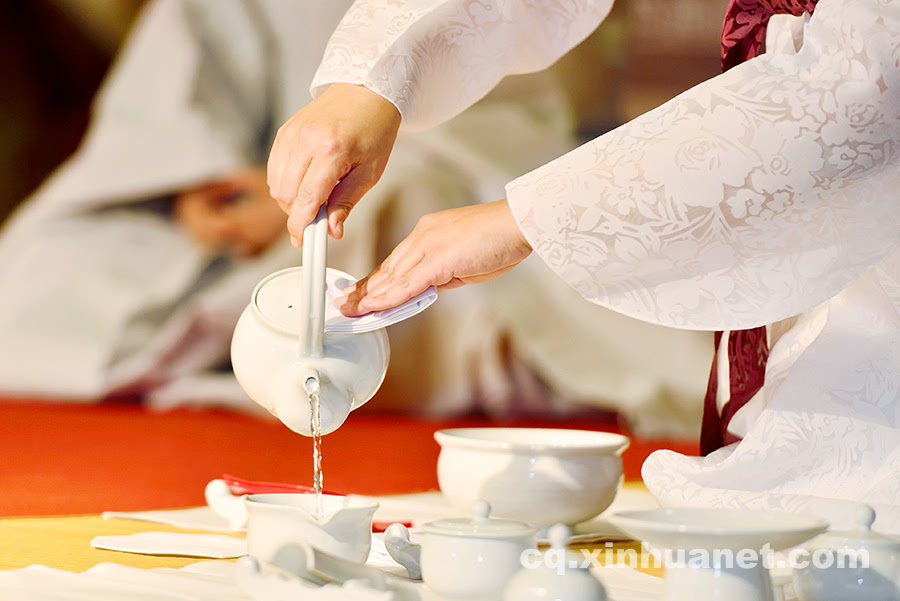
x=282, y=356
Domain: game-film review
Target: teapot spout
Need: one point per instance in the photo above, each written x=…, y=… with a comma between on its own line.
x=311, y=383
x=300, y=390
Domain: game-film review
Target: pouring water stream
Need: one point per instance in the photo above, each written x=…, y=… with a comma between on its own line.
x=312, y=330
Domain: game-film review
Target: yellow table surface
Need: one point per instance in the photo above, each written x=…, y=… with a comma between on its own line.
x=65, y=543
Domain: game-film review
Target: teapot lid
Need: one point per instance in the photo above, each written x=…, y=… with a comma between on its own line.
x=861, y=536
x=276, y=300
x=479, y=525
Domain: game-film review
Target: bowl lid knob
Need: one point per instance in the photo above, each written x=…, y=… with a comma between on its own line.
x=865, y=517
x=481, y=511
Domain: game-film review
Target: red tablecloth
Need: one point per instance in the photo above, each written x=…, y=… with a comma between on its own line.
x=71, y=459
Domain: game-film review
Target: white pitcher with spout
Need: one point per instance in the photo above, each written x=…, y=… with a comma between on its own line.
x=282, y=356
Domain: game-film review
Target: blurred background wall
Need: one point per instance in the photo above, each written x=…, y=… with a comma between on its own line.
x=55, y=53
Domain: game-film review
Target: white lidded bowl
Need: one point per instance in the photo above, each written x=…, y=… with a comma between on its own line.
x=541, y=476
x=469, y=559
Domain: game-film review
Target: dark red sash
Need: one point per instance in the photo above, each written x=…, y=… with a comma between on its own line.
x=743, y=35
x=744, y=29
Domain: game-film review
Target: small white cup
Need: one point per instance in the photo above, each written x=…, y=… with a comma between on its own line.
x=276, y=521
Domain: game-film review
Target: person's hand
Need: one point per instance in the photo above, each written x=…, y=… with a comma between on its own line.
x=332, y=150
x=235, y=214
x=448, y=249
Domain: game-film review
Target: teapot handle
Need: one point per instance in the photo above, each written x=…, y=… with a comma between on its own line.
x=404, y=552
x=312, y=285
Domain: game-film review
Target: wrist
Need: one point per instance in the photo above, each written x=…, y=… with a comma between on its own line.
x=515, y=237
x=365, y=95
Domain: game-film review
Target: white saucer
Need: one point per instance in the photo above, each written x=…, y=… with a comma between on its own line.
x=722, y=529
x=716, y=554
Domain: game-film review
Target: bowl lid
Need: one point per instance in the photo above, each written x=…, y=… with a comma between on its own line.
x=861, y=537
x=545, y=441
x=479, y=525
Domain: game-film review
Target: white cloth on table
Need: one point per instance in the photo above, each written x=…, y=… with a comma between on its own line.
x=103, y=294
x=217, y=546
x=766, y=195
x=218, y=580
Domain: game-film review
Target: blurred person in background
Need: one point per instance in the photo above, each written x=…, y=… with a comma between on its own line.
x=124, y=275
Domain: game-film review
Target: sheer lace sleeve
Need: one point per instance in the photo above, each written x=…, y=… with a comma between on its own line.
x=434, y=58
x=747, y=199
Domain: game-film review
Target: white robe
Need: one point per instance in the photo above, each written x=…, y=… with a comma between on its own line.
x=767, y=195
x=103, y=294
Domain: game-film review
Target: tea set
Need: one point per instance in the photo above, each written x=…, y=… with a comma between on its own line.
x=514, y=484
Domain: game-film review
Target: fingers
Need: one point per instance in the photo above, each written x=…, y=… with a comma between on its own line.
x=399, y=276
x=345, y=196
x=366, y=299
x=402, y=259
x=318, y=183
x=448, y=249
x=332, y=150
x=393, y=271
x=411, y=283
x=281, y=159
x=413, y=266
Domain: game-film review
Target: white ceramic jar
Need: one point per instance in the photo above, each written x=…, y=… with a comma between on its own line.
x=855, y=565
x=265, y=354
x=541, y=476
x=464, y=559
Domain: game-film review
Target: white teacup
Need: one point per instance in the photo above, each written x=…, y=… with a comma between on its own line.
x=472, y=559
x=277, y=521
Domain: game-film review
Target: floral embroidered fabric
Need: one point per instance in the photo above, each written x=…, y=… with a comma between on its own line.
x=743, y=33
